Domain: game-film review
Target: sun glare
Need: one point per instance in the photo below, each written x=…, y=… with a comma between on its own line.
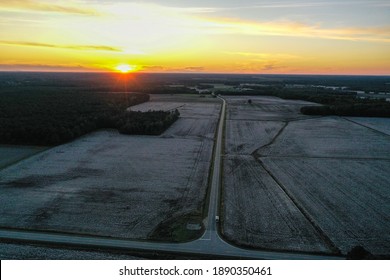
x=125, y=68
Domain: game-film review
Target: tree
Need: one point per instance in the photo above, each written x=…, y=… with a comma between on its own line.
x=359, y=253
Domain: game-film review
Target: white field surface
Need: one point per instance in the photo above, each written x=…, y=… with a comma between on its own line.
x=166, y=102
x=196, y=120
x=245, y=137
x=109, y=184
x=329, y=137
x=333, y=173
x=258, y=212
x=156, y=106
x=348, y=199
x=10, y=154
x=379, y=124
x=183, y=98
x=264, y=108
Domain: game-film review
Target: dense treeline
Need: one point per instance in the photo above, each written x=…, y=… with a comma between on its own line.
x=158, y=89
x=342, y=105
x=49, y=117
x=151, y=123
x=145, y=123
x=356, y=110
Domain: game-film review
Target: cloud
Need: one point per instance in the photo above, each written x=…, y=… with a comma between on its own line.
x=73, y=47
x=159, y=68
x=289, y=4
x=271, y=67
x=295, y=29
x=256, y=56
x=47, y=6
x=209, y=6
x=259, y=67
x=194, y=68
x=152, y=68
x=44, y=67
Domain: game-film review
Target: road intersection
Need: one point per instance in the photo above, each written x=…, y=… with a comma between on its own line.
x=209, y=245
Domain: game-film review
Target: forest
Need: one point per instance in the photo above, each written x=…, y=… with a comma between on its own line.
x=354, y=109
x=44, y=116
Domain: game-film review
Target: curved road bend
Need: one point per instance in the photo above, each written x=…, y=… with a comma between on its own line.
x=210, y=244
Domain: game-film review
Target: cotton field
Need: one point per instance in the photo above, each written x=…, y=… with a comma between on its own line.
x=295, y=182
x=110, y=184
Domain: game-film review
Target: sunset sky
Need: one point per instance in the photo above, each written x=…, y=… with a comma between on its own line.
x=210, y=36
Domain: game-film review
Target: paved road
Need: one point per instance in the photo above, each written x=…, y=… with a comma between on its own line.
x=210, y=222
x=210, y=244
x=209, y=248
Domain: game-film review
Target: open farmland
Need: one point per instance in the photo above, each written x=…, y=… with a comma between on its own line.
x=258, y=212
x=264, y=108
x=329, y=137
x=328, y=175
x=110, y=184
x=347, y=199
x=379, y=124
x=156, y=106
x=244, y=137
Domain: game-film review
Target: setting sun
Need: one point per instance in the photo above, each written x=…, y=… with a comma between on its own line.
x=125, y=68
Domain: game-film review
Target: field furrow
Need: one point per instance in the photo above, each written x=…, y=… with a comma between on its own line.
x=258, y=213
x=328, y=175
x=245, y=137
x=348, y=199
x=327, y=137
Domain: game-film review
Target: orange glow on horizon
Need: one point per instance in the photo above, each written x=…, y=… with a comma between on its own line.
x=125, y=68
x=153, y=37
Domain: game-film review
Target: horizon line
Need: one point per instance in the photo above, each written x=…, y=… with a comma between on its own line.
x=193, y=73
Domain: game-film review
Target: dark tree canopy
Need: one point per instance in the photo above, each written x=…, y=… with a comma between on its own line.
x=34, y=116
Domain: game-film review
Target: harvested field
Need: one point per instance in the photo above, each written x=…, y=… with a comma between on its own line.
x=192, y=127
x=332, y=171
x=263, y=100
x=196, y=120
x=200, y=110
x=379, y=124
x=266, y=112
x=156, y=106
x=186, y=109
x=258, y=212
x=264, y=108
x=329, y=137
x=183, y=98
x=347, y=199
x=245, y=137
x=11, y=154
x=110, y=184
